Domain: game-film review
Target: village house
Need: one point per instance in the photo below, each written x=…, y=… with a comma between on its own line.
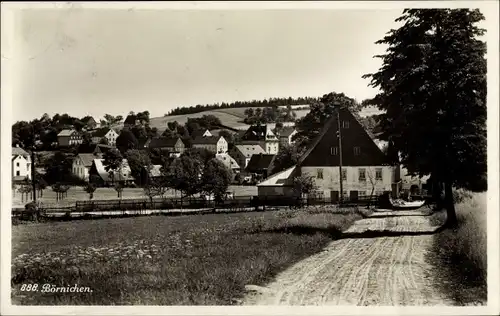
x=216, y=144
x=260, y=165
x=122, y=175
x=243, y=153
x=21, y=165
x=149, y=173
x=82, y=164
x=261, y=135
x=174, y=146
x=69, y=137
x=105, y=133
x=365, y=168
x=286, y=134
x=90, y=123
x=131, y=121
x=229, y=162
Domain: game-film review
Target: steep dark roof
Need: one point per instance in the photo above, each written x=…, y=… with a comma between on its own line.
x=255, y=132
x=101, y=132
x=130, y=119
x=200, y=140
x=88, y=119
x=259, y=162
x=319, y=153
x=163, y=142
x=287, y=131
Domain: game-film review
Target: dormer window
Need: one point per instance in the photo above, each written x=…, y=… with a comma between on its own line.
x=345, y=124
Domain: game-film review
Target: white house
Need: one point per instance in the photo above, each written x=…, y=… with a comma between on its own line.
x=82, y=163
x=243, y=153
x=107, y=133
x=286, y=134
x=21, y=164
x=216, y=144
x=229, y=162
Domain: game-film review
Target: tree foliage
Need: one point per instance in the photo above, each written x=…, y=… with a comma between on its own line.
x=309, y=126
x=137, y=160
x=216, y=179
x=304, y=185
x=287, y=156
x=433, y=91
x=126, y=141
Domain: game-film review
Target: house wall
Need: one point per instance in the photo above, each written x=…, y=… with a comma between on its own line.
x=75, y=140
x=21, y=167
x=63, y=141
x=274, y=191
x=272, y=148
x=111, y=137
x=211, y=147
x=80, y=170
x=179, y=146
x=331, y=182
x=222, y=145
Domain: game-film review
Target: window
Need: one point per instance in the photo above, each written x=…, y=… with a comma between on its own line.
x=17, y=164
x=319, y=173
x=361, y=193
x=344, y=174
x=378, y=174
x=334, y=151
x=362, y=174
x=17, y=173
x=345, y=124
x=357, y=151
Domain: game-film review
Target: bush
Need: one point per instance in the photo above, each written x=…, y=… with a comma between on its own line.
x=461, y=195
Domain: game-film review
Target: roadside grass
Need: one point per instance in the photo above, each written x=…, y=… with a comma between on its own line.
x=461, y=253
x=186, y=260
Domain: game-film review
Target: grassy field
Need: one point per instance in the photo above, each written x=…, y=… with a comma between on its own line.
x=78, y=194
x=462, y=252
x=187, y=260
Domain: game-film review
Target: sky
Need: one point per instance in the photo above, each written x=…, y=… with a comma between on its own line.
x=97, y=61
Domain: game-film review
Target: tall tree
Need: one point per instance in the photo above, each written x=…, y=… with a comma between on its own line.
x=126, y=140
x=287, y=156
x=309, y=127
x=113, y=160
x=216, y=179
x=137, y=160
x=433, y=91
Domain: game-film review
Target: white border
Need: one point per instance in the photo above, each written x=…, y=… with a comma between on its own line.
x=489, y=8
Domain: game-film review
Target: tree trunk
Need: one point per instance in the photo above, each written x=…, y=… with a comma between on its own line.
x=451, y=215
x=437, y=195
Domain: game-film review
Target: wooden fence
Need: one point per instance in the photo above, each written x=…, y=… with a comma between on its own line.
x=173, y=206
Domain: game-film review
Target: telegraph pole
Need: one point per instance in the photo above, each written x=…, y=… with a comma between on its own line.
x=33, y=172
x=339, y=135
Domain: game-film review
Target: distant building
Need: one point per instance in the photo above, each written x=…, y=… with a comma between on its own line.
x=105, y=133
x=90, y=123
x=174, y=146
x=82, y=164
x=122, y=175
x=261, y=135
x=216, y=144
x=21, y=164
x=150, y=172
x=243, y=153
x=69, y=137
x=286, y=134
x=229, y=162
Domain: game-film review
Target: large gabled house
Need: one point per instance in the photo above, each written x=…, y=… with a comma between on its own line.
x=261, y=135
x=229, y=162
x=69, y=137
x=364, y=166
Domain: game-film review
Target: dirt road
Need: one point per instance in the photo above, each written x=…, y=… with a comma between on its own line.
x=381, y=260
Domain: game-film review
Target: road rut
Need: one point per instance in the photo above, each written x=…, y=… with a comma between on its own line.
x=381, y=260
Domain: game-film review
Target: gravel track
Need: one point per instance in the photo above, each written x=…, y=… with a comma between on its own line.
x=379, y=270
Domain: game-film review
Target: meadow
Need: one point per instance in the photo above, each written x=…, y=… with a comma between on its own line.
x=462, y=252
x=78, y=194
x=186, y=260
